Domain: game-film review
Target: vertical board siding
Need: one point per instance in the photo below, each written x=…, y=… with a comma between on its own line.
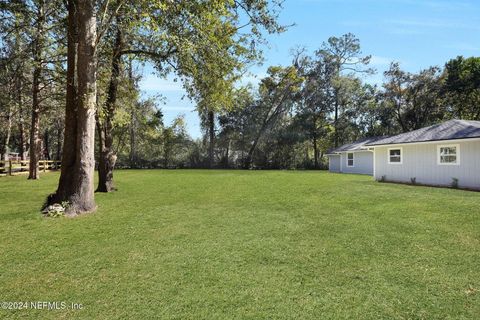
x=362, y=162
x=420, y=162
x=334, y=163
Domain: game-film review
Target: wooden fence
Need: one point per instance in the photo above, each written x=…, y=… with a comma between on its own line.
x=10, y=167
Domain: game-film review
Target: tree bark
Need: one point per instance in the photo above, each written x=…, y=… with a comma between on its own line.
x=211, y=138
x=34, y=151
x=76, y=183
x=227, y=155
x=132, y=131
x=253, y=147
x=133, y=141
x=64, y=189
x=21, y=126
x=315, y=150
x=35, y=143
x=335, y=123
x=58, y=153
x=166, y=157
x=47, y=145
x=6, y=147
x=108, y=157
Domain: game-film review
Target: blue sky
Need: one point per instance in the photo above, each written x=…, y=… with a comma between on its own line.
x=416, y=33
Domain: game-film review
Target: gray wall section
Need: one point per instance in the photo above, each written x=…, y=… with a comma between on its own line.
x=362, y=163
x=334, y=163
x=420, y=161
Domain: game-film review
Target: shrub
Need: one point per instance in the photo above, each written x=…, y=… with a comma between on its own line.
x=413, y=180
x=454, y=183
x=56, y=210
x=383, y=178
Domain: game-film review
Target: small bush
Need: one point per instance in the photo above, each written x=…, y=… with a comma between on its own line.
x=413, y=180
x=454, y=183
x=56, y=210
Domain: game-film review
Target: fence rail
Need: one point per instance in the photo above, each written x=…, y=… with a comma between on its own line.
x=9, y=167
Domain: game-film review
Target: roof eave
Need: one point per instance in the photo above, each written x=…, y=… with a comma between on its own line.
x=423, y=142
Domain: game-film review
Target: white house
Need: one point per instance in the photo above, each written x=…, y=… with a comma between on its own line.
x=352, y=158
x=445, y=154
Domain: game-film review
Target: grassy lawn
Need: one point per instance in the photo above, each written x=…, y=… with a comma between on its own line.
x=244, y=245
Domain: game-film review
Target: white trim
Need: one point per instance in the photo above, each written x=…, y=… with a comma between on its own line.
x=401, y=155
x=456, y=163
x=353, y=159
x=339, y=153
x=425, y=142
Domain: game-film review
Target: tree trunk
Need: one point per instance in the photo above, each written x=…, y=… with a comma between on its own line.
x=35, y=143
x=76, y=183
x=227, y=155
x=47, y=145
x=165, y=158
x=315, y=150
x=58, y=153
x=34, y=153
x=21, y=127
x=108, y=157
x=6, y=147
x=133, y=141
x=249, y=159
x=70, y=133
x=335, y=123
x=132, y=131
x=211, y=138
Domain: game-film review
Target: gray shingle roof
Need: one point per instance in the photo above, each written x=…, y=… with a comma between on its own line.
x=355, y=146
x=450, y=130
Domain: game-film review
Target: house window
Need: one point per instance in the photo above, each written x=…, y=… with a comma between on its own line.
x=350, y=159
x=395, y=156
x=448, y=154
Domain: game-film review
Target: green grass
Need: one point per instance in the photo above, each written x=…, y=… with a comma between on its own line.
x=244, y=245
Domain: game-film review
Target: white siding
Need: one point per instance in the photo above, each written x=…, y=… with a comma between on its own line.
x=420, y=161
x=334, y=163
x=362, y=162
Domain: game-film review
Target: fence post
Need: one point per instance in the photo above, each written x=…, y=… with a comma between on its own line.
x=9, y=167
x=44, y=165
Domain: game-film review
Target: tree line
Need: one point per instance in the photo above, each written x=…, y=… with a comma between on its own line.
x=300, y=112
x=69, y=73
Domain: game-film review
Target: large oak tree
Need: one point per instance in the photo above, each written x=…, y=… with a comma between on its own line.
x=76, y=185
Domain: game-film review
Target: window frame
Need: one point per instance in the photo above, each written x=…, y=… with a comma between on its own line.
x=353, y=159
x=457, y=154
x=389, y=156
